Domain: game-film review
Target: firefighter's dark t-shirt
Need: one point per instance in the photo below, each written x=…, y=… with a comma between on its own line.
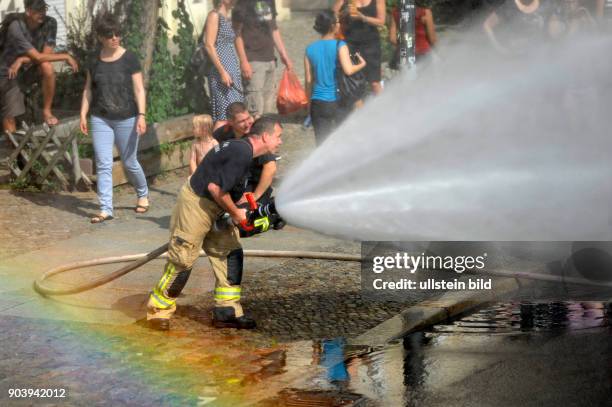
x=224, y=133
x=226, y=165
x=227, y=133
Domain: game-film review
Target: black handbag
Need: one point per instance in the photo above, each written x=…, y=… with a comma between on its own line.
x=200, y=63
x=350, y=88
x=200, y=60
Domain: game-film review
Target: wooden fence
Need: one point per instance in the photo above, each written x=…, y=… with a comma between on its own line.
x=42, y=153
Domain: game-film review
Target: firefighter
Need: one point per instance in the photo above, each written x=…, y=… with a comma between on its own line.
x=213, y=189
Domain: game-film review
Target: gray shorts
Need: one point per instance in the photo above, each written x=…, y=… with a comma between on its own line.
x=261, y=89
x=11, y=99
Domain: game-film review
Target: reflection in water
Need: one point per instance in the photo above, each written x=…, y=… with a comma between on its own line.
x=415, y=370
x=408, y=372
x=517, y=317
x=332, y=359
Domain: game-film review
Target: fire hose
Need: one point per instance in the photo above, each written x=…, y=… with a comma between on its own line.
x=141, y=259
x=257, y=220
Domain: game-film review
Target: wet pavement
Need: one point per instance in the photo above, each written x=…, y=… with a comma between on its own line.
x=130, y=365
x=509, y=354
x=550, y=354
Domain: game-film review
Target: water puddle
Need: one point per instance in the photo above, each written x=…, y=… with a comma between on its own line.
x=430, y=367
x=527, y=317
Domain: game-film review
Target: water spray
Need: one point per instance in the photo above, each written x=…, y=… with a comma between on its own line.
x=507, y=149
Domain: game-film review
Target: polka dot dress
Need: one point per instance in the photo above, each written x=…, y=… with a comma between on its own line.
x=221, y=95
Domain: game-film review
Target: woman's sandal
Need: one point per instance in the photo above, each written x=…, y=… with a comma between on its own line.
x=142, y=208
x=101, y=217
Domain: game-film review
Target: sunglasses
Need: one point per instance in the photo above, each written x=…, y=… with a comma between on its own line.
x=110, y=35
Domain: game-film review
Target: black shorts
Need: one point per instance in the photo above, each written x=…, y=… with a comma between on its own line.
x=11, y=98
x=371, y=52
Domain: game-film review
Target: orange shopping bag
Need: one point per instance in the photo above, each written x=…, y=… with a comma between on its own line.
x=291, y=96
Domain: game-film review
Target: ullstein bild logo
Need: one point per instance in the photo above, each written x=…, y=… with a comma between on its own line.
x=411, y=263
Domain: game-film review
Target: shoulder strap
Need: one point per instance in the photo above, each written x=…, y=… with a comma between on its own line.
x=6, y=22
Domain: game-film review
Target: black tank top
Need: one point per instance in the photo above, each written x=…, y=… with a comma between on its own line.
x=357, y=30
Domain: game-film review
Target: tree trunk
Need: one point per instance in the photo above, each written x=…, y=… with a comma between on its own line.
x=150, y=15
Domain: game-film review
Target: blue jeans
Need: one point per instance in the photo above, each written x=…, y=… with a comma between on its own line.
x=105, y=133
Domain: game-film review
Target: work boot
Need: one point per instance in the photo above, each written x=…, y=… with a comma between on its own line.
x=224, y=317
x=276, y=221
x=242, y=322
x=279, y=224
x=159, y=324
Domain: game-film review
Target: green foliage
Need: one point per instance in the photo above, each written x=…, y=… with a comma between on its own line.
x=184, y=39
x=166, y=148
x=163, y=100
x=69, y=90
x=170, y=147
x=191, y=86
x=387, y=48
x=23, y=186
x=185, y=145
x=174, y=88
x=132, y=12
x=85, y=145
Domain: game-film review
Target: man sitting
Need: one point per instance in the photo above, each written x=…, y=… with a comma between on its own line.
x=27, y=41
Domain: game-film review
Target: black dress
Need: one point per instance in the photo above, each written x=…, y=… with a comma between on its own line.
x=364, y=38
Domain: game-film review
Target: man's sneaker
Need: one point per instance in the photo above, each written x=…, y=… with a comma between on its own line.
x=159, y=324
x=242, y=322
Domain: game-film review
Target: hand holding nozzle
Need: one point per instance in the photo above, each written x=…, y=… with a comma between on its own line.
x=252, y=220
x=239, y=217
x=247, y=223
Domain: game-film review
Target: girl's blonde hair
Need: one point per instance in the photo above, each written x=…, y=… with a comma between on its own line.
x=204, y=124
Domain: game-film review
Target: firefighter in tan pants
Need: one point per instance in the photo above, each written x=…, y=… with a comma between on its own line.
x=216, y=184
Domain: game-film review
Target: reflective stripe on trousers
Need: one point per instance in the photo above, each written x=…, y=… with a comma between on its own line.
x=228, y=293
x=159, y=296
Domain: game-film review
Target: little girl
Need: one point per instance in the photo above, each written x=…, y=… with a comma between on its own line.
x=203, y=142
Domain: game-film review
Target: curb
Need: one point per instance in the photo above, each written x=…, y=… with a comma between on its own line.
x=428, y=313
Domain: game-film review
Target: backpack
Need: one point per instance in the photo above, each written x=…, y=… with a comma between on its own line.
x=350, y=88
x=4, y=26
